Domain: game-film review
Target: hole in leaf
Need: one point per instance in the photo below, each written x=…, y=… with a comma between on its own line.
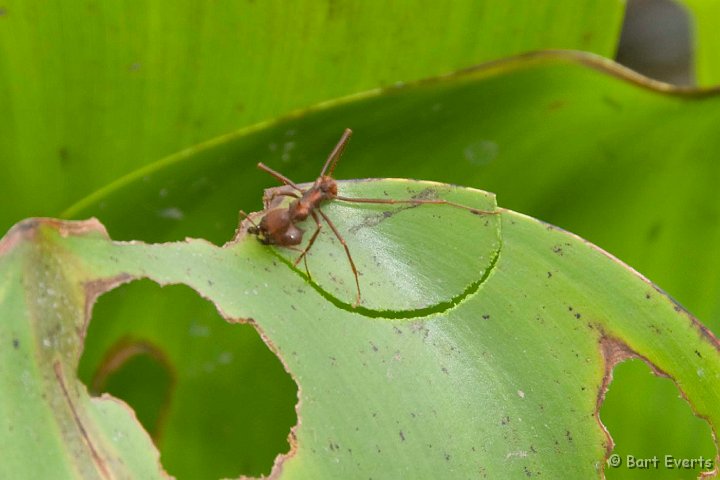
x=215, y=399
x=647, y=418
x=137, y=372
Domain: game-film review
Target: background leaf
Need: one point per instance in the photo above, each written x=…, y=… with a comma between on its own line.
x=91, y=92
x=704, y=14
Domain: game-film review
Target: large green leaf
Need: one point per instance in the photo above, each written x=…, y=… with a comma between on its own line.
x=91, y=91
x=704, y=15
x=565, y=137
x=504, y=382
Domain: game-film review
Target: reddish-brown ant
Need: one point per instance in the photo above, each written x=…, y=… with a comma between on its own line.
x=279, y=225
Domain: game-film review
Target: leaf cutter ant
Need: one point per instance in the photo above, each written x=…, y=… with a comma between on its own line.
x=279, y=225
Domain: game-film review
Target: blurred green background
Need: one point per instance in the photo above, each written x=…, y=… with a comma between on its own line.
x=151, y=115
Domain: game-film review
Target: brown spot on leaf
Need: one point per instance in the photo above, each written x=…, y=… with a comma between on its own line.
x=63, y=156
x=556, y=105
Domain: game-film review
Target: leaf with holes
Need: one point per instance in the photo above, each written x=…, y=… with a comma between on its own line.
x=500, y=377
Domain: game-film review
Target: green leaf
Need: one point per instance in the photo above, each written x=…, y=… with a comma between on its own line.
x=704, y=16
x=506, y=382
x=109, y=86
x=567, y=138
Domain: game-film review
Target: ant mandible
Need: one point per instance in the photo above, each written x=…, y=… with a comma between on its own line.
x=279, y=225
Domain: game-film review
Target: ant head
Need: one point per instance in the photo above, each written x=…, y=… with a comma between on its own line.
x=328, y=186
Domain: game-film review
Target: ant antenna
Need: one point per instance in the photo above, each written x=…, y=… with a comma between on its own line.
x=336, y=153
x=245, y=216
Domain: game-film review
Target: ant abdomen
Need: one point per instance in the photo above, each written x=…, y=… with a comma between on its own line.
x=293, y=235
x=277, y=229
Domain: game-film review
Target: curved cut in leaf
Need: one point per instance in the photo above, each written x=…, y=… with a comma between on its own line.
x=506, y=383
x=409, y=257
x=108, y=94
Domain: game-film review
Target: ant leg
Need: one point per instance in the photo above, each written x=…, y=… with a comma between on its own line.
x=419, y=201
x=282, y=194
x=279, y=176
x=312, y=239
x=307, y=271
x=347, y=251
